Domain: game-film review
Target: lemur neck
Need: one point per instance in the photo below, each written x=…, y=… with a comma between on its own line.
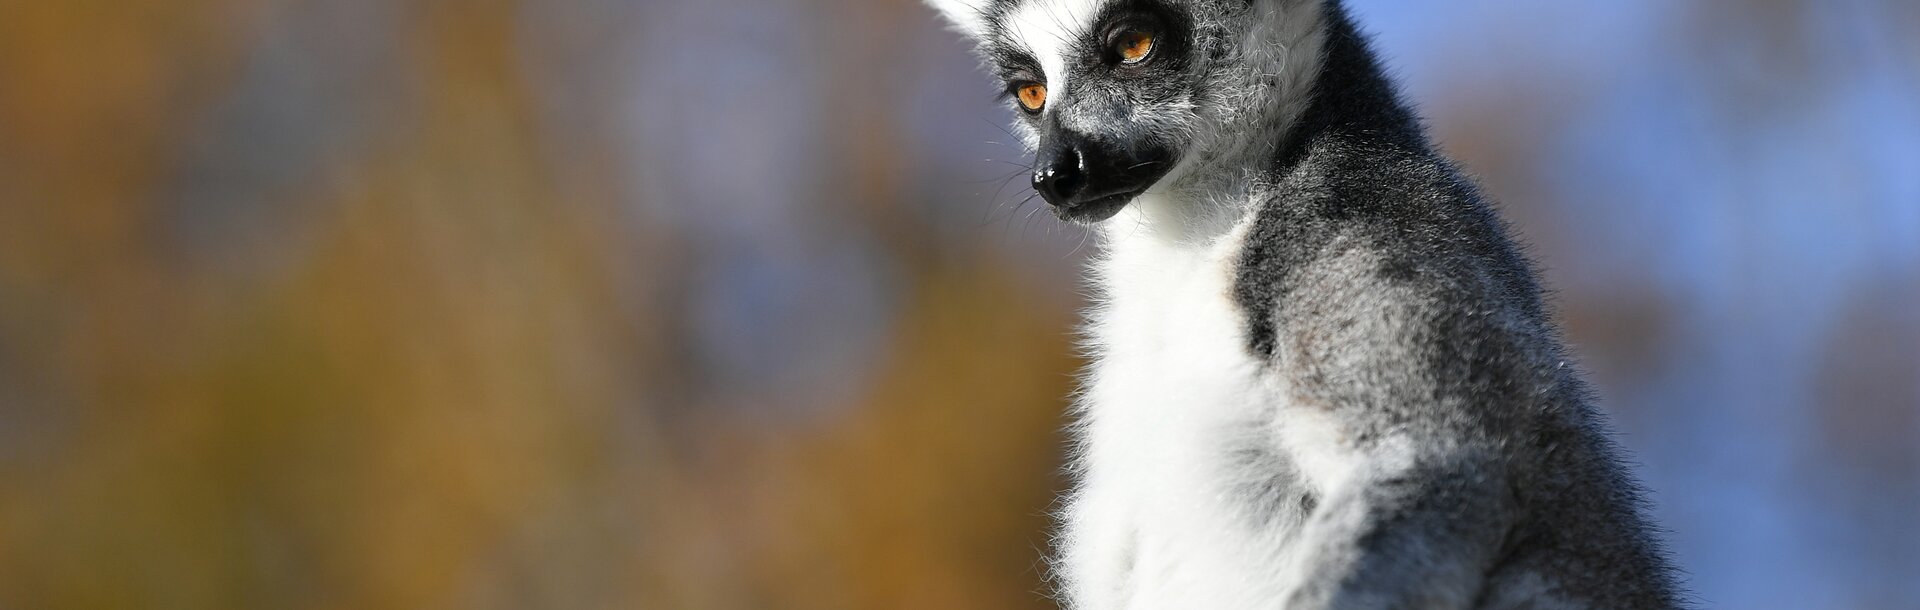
x=1352, y=98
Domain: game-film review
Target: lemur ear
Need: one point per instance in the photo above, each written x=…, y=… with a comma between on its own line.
x=967, y=16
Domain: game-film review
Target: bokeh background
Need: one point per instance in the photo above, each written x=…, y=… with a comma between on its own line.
x=727, y=304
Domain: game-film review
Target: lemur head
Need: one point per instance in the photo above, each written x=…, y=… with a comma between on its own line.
x=1114, y=97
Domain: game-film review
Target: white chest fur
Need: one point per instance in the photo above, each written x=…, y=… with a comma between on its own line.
x=1179, y=436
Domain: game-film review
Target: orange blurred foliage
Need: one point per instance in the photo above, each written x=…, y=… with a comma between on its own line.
x=438, y=396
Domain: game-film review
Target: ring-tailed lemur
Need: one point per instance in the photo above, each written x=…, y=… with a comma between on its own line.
x=1323, y=374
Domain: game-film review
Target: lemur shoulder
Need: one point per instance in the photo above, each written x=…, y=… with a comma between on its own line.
x=1323, y=375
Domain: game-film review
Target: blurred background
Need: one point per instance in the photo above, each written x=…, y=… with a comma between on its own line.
x=729, y=304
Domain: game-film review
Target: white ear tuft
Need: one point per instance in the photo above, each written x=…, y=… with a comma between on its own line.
x=968, y=16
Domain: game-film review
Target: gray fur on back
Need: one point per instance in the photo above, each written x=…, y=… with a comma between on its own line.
x=1379, y=278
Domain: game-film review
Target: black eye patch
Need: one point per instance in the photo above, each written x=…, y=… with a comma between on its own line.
x=1169, y=26
x=1013, y=64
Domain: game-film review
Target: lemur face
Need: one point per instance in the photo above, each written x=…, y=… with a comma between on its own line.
x=1109, y=94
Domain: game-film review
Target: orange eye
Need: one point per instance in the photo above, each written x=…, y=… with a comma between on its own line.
x=1032, y=96
x=1133, y=46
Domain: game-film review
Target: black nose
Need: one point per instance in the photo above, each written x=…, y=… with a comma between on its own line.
x=1060, y=178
